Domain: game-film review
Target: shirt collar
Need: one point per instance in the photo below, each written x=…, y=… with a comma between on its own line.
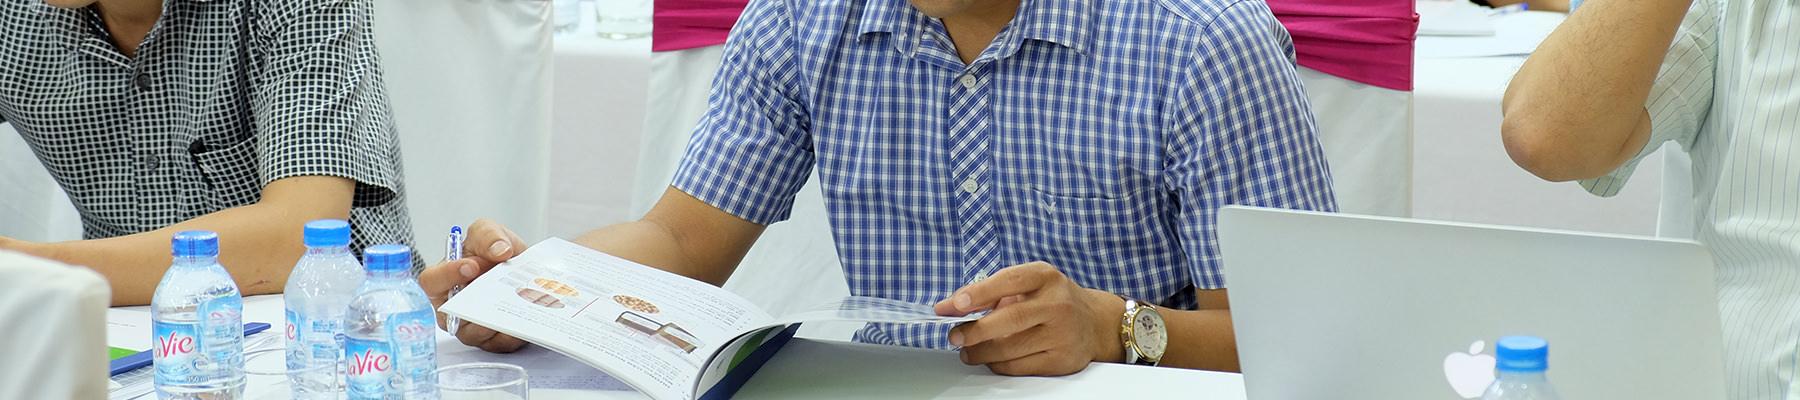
x=1064, y=22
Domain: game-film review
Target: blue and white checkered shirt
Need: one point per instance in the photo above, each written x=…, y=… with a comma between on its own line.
x=1097, y=136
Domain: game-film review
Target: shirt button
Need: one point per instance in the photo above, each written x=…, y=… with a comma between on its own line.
x=149, y=162
x=141, y=80
x=970, y=186
x=968, y=81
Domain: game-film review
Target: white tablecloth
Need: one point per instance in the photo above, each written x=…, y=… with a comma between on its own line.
x=1461, y=170
x=829, y=369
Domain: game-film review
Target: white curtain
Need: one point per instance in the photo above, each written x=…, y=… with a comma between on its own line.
x=32, y=206
x=1367, y=134
x=470, y=81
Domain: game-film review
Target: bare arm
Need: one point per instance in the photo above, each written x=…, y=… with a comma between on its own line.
x=1203, y=338
x=1042, y=323
x=1576, y=108
x=680, y=234
x=1198, y=339
x=259, y=242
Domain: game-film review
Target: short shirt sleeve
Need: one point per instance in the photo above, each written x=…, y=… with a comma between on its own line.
x=752, y=151
x=1682, y=96
x=1242, y=134
x=320, y=105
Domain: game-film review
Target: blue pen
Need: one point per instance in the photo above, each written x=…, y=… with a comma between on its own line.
x=453, y=247
x=453, y=252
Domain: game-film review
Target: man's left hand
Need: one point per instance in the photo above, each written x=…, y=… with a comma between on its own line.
x=1041, y=323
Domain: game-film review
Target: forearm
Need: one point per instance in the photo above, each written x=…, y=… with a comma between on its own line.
x=663, y=241
x=1575, y=107
x=1198, y=339
x=1201, y=339
x=649, y=243
x=258, y=245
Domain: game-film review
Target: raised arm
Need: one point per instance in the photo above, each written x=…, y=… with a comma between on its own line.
x=1576, y=108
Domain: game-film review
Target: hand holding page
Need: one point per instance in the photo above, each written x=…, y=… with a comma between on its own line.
x=666, y=335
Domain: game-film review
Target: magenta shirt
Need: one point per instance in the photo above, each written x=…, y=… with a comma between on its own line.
x=1368, y=41
x=687, y=24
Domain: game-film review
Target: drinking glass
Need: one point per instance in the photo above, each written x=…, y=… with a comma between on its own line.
x=622, y=19
x=483, y=381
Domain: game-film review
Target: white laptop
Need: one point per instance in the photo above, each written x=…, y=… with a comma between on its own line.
x=1342, y=307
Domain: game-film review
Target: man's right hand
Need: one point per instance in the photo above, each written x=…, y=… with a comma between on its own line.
x=488, y=244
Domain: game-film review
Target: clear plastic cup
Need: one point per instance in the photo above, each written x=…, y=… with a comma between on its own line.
x=483, y=381
x=266, y=373
x=622, y=19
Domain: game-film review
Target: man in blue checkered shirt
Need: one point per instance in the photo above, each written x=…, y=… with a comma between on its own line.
x=1056, y=162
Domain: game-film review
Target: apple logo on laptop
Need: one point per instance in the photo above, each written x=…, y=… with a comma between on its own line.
x=1470, y=373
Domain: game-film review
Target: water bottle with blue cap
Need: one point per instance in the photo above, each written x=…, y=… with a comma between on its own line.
x=197, y=324
x=390, y=349
x=318, y=293
x=1519, y=367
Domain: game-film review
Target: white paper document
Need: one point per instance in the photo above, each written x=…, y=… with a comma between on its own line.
x=1454, y=18
x=668, y=336
x=1515, y=35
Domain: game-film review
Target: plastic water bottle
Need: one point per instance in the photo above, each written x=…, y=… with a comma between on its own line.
x=317, y=295
x=197, y=324
x=390, y=349
x=1520, y=367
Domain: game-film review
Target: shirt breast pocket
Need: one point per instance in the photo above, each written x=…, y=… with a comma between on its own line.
x=1099, y=234
x=230, y=175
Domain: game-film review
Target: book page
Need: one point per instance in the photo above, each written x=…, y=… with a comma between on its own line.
x=874, y=309
x=647, y=327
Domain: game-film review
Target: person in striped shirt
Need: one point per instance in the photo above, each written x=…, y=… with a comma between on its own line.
x=1053, y=161
x=1719, y=78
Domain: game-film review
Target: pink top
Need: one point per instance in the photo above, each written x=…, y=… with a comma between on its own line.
x=1368, y=41
x=687, y=24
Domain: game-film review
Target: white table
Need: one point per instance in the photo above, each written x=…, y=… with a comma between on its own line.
x=1461, y=170
x=829, y=369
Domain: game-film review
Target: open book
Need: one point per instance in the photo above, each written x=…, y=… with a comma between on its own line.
x=668, y=336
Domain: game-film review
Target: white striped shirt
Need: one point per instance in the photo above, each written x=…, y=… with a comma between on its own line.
x=1727, y=93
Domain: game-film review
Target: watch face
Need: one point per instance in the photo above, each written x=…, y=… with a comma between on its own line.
x=1149, y=334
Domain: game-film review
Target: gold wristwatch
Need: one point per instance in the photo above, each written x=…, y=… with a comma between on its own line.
x=1143, y=333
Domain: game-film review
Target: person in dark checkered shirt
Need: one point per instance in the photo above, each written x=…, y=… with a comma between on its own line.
x=1058, y=162
x=244, y=117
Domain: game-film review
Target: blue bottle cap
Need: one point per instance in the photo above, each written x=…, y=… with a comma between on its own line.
x=195, y=244
x=387, y=258
x=327, y=233
x=1522, y=354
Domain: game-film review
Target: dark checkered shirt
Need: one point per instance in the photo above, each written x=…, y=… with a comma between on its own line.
x=223, y=97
